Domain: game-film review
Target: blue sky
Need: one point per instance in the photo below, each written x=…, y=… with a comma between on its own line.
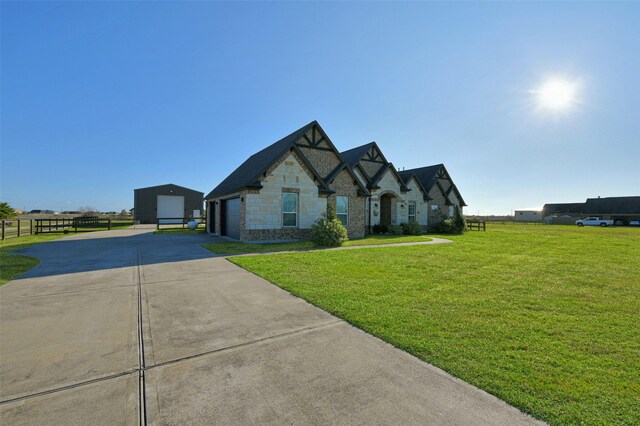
x=99, y=98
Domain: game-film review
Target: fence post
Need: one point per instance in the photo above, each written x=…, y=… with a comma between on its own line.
x=18, y=227
x=109, y=224
x=157, y=224
x=3, y=229
x=75, y=225
x=30, y=227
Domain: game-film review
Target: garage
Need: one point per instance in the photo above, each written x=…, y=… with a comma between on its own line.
x=157, y=203
x=170, y=208
x=232, y=218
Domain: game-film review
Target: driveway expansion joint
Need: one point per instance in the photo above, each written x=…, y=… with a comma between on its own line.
x=249, y=343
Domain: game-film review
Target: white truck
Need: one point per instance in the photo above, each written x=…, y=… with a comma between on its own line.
x=594, y=221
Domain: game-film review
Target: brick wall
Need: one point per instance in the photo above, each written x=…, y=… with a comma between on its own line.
x=343, y=185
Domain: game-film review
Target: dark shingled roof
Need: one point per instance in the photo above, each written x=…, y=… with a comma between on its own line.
x=249, y=172
x=426, y=175
x=563, y=208
x=354, y=155
x=612, y=206
x=427, y=178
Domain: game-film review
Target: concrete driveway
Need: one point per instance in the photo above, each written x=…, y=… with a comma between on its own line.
x=124, y=327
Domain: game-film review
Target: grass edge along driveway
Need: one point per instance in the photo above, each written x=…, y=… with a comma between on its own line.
x=232, y=247
x=543, y=317
x=14, y=265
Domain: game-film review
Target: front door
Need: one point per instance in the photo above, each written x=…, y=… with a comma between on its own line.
x=385, y=210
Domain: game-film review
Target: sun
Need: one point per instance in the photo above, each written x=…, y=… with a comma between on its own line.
x=556, y=94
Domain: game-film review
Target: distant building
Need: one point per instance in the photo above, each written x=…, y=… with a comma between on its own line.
x=563, y=209
x=168, y=203
x=527, y=216
x=620, y=209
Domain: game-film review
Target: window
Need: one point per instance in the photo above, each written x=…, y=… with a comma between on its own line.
x=289, y=209
x=412, y=212
x=434, y=207
x=342, y=209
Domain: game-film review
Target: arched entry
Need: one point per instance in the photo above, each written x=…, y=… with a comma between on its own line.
x=387, y=209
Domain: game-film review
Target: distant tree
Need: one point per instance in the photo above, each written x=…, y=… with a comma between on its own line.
x=123, y=214
x=6, y=211
x=88, y=211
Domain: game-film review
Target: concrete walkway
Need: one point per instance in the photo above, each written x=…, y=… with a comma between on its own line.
x=124, y=327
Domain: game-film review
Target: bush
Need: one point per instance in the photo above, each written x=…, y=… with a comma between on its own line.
x=396, y=229
x=329, y=231
x=458, y=221
x=411, y=228
x=379, y=229
x=446, y=227
x=456, y=225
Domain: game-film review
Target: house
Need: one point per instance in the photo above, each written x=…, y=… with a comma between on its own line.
x=166, y=203
x=279, y=192
x=527, y=216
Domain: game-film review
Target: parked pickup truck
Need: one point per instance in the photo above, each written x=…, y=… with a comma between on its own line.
x=594, y=221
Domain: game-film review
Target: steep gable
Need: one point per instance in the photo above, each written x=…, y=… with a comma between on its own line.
x=312, y=146
x=435, y=175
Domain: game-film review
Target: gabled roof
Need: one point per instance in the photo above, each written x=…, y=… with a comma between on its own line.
x=612, y=205
x=250, y=173
x=428, y=176
x=406, y=178
x=353, y=156
x=167, y=185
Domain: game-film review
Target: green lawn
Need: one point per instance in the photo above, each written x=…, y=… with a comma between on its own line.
x=240, y=248
x=12, y=265
x=546, y=318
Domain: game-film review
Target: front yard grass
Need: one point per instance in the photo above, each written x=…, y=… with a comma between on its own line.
x=241, y=248
x=13, y=265
x=546, y=318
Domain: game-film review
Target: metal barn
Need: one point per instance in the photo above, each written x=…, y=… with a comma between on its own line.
x=169, y=203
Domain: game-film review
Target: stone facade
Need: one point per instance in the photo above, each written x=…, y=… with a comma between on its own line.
x=262, y=212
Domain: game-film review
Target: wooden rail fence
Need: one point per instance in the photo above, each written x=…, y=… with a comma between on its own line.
x=22, y=227
x=476, y=225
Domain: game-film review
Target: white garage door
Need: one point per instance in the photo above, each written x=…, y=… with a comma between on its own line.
x=170, y=206
x=232, y=218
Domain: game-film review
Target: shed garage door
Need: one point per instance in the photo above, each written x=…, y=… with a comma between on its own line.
x=232, y=218
x=170, y=206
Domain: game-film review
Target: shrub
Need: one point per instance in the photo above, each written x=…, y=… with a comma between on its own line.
x=446, y=227
x=412, y=228
x=455, y=225
x=379, y=229
x=396, y=229
x=458, y=221
x=329, y=231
